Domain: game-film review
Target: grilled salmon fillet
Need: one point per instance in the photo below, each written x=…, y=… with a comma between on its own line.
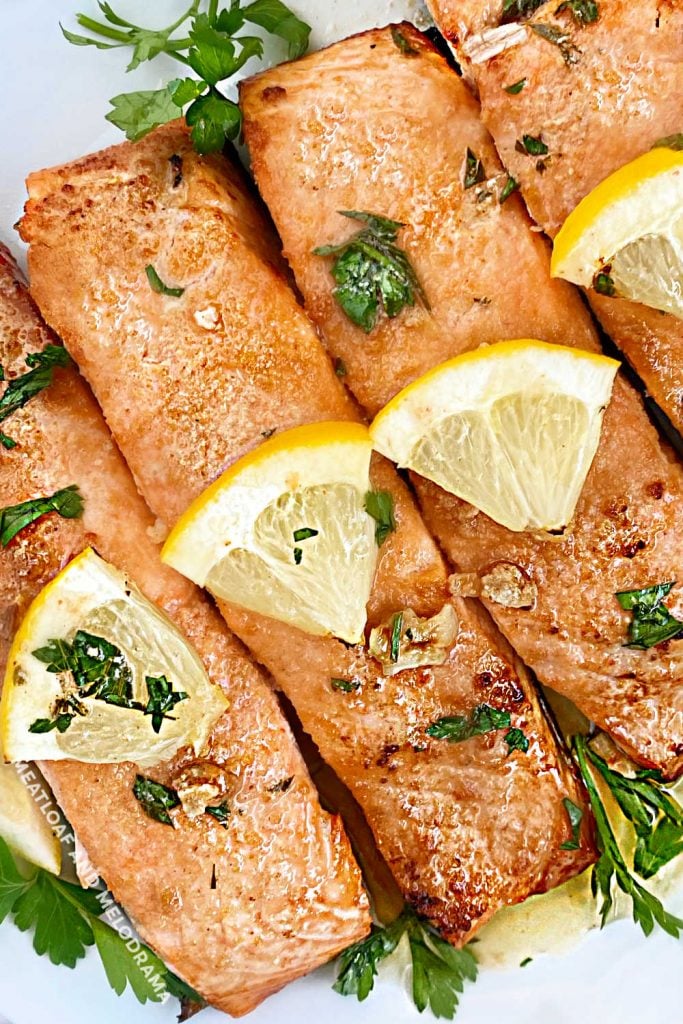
x=191, y=383
x=363, y=126
x=619, y=94
x=237, y=912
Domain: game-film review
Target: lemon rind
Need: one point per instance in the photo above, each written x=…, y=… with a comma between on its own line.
x=197, y=567
x=605, y=206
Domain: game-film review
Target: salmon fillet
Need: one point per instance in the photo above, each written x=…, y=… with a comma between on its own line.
x=237, y=912
x=621, y=96
x=190, y=384
x=362, y=126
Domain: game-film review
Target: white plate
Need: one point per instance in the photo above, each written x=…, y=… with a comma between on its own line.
x=53, y=102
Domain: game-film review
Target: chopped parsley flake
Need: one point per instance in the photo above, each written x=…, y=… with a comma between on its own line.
x=157, y=285
x=652, y=622
x=372, y=272
x=380, y=505
x=516, y=87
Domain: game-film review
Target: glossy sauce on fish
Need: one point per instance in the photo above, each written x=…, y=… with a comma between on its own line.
x=363, y=126
x=189, y=384
x=618, y=95
x=238, y=911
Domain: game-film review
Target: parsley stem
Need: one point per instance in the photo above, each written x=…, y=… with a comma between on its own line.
x=177, y=56
x=104, y=30
x=189, y=13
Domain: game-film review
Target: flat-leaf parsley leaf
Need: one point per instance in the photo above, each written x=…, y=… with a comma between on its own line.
x=67, y=503
x=439, y=970
x=372, y=272
x=212, y=47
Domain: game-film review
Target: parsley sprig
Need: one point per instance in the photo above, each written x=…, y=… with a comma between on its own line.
x=439, y=970
x=22, y=389
x=482, y=719
x=65, y=921
x=652, y=622
x=380, y=505
x=372, y=272
x=211, y=47
x=67, y=503
x=99, y=669
x=646, y=806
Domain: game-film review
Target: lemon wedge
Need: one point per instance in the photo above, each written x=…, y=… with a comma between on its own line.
x=23, y=825
x=284, y=531
x=626, y=237
x=97, y=673
x=511, y=428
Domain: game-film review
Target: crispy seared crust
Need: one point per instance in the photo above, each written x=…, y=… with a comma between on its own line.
x=288, y=894
x=360, y=126
x=621, y=97
x=465, y=828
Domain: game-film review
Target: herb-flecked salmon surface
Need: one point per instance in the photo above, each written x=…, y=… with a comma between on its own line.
x=240, y=911
x=363, y=125
x=618, y=95
x=189, y=383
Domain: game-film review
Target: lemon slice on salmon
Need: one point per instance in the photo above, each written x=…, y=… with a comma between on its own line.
x=626, y=237
x=284, y=531
x=23, y=825
x=511, y=428
x=97, y=673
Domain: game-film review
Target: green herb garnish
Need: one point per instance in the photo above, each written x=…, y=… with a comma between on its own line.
x=162, y=699
x=652, y=622
x=22, y=389
x=655, y=815
x=345, y=685
x=439, y=970
x=670, y=142
x=560, y=38
x=396, y=630
x=638, y=806
x=575, y=815
x=515, y=88
x=67, y=503
x=532, y=145
x=100, y=670
x=474, y=170
x=585, y=11
x=516, y=740
x=603, y=284
x=304, y=533
x=65, y=921
x=155, y=799
x=510, y=186
x=482, y=719
x=210, y=46
x=157, y=285
x=371, y=271
x=60, y=722
x=380, y=505
x=221, y=813
x=513, y=10
x=406, y=48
